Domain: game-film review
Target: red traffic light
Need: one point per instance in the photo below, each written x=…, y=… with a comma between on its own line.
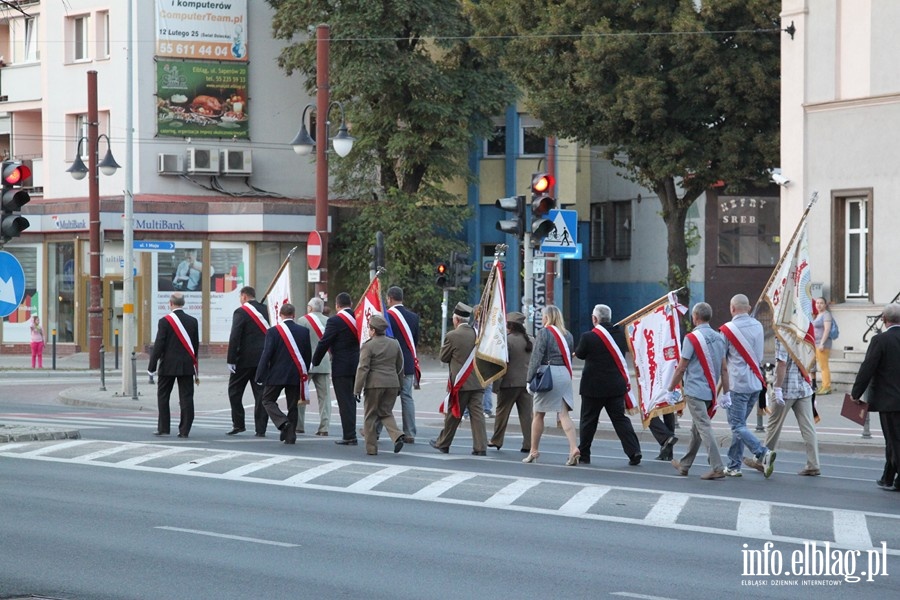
x=441, y=268
x=542, y=183
x=15, y=173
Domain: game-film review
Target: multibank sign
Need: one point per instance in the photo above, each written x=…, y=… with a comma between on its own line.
x=173, y=223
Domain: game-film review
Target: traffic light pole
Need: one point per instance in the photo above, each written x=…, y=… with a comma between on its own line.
x=95, y=312
x=444, y=306
x=528, y=292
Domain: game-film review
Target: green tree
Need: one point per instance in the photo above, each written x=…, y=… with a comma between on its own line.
x=681, y=94
x=417, y=93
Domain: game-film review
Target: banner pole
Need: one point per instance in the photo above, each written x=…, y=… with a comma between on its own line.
x=649, y=307
x=278, y=273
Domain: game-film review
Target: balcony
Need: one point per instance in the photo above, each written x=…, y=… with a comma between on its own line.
x=20, y=82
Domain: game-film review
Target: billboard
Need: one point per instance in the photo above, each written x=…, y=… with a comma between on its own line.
x=201, y=99
x=202, y=29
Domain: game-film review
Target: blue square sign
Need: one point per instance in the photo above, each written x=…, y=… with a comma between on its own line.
x=562, y=239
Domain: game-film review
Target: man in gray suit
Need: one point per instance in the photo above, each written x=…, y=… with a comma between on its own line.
x=379, y=373
x=314, y=320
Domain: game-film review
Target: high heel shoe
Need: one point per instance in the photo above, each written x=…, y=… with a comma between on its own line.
x=574, y=459
x=532, y=457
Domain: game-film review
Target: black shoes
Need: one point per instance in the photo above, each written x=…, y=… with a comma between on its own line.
x=160, y=433
x=352, y=442
x=236, y=431
x=497, y=447
x=433, y=444
x=260, y=434
x=479, y=453
x=634, y=460
x=585, y=460
x=182, y=435
x=398, y=445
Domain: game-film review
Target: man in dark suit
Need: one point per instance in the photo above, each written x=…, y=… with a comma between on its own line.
x=341, y=337
x=175, y=355
x=284, y=365
x=405, y=327
x=604, y=386
x=880, y=368
x=245, y=345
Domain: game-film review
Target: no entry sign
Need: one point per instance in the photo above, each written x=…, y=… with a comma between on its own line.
x=314, y=250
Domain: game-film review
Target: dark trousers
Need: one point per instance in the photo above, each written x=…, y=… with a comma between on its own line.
x=343, y=392
x=615, y=408
x=890, y=428
x=270, y=403
x=237, y=383
x=506, y=399
x=164, y=386
x=663, y=427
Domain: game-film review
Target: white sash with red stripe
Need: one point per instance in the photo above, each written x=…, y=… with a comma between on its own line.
x=314, y=323
x=182, y=335
x=451, y=400
x=407, y=335
x=294, y=351
x=742, y=345
x=702, y=351
x=617, y=355
x=349, y=318
x=255, y=316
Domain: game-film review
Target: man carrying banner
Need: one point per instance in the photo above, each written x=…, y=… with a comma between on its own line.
x=175, y=354
x=314, y=320
x=341, y=336
x=404, y=324
x=245, y=344
x=284, y=365
x=702, y=361
x=744, y=338
x=465, y=389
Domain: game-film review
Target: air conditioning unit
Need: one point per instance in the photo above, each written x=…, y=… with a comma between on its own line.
x=202, y=160
x=237, y=162
x=169, y=164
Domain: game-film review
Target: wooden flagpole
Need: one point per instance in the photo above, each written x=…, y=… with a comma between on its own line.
x=812, y=200
x=648, y=308
x=278, y=273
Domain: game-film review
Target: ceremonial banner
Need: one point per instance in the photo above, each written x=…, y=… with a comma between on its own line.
x=279, y=295
x=788, y=293
x=369, y=304
x=654, y=338
x=491, y=351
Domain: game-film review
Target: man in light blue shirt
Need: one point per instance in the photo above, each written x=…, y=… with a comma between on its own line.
x=744, y=338
x=702, y=362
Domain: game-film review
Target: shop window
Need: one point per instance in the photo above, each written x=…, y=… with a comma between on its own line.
x=749, y=231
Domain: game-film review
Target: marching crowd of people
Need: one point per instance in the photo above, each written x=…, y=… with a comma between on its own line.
x=716, y=370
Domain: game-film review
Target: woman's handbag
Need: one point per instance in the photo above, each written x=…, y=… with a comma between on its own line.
x=542, y=380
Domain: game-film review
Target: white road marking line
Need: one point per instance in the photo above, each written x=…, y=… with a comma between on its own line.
x=204, y=460
x=754, y=517
x=229, y=537
x=851, y=529
x=433, y=490
x=85, y=458
x=310, y=474
x=53, y=447
x=667, y=509
x=583, y=500
x=370, y=481
x=134, y=461
x=243, y=470
x=511, y=492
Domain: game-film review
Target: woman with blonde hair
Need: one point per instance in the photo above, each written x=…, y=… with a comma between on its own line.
x=553, y=347
x=822, y=327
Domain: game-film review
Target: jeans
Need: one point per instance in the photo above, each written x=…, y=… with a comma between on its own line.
x=742, y=405
x=488, y=403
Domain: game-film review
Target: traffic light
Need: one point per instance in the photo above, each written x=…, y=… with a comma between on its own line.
x=14, y=175
x=441, y=272
x=462, y=270
x=515, y=204
x=542, y=202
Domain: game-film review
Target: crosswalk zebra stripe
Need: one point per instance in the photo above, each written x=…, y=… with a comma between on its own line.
x=851, y=529
x=239, y=472
x=370, y=481
x=310, y=474
x=511, y=492
x=753, y=517
x=667, y=509
x=433, y=490
x=583, y=500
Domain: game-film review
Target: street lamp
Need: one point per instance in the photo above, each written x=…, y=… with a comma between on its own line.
x=79, y=171
x=303, y=144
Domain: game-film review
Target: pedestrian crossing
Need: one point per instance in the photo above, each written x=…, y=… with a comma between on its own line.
x=732, y=516
x=219, y=420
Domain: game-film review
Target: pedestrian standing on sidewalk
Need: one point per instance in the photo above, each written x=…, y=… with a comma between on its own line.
x=379, y=374
x=175, y=355
x=249, y=324
x=822, y=325
x=37, y=342
x=314, y=320
x=512, y=388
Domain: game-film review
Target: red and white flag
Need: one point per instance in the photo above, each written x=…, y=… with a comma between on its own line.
x=278, y=296
x=369, y=304
x=789, y=296
x=654, y=337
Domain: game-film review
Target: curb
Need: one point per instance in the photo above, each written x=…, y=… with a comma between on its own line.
x=17, y=433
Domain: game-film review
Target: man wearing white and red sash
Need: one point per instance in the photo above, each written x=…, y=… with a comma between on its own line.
x=702, y=362
x=404, y=324
x=249, y=324
x=604, y=384
x=744, y=338
x=341, y=337
x=465, y=390
x=283, y=365
x=175, y=355
x=314, y=320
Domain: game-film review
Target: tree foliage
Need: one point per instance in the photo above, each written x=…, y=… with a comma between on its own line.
x=680, y=97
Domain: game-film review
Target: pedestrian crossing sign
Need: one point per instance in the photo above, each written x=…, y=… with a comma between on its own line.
x=562, y=239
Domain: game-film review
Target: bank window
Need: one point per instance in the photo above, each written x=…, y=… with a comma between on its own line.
x=749, y=232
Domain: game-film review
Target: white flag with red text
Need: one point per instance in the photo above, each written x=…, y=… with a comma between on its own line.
x=491, y=350
x=278, y=296
x=369, y=304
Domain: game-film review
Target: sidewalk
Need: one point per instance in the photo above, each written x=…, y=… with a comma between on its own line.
x=836, y=434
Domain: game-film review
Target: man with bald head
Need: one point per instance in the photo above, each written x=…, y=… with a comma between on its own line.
x=744, y=338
